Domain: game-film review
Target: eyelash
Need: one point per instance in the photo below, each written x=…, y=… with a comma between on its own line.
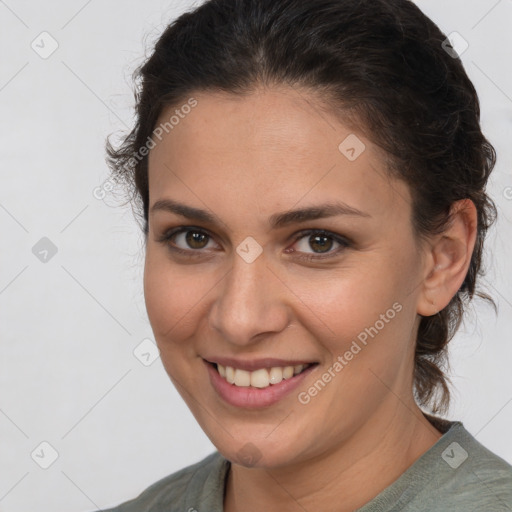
x=344, y=242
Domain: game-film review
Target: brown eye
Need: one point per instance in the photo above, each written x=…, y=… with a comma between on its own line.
x=186, y=240
x=196, y=239
x=321, y=243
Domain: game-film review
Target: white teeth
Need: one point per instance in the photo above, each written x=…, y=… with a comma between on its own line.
x=242, y=378
x=230, y=374
x=287, y=372
x=261, y=378
x=276, y=375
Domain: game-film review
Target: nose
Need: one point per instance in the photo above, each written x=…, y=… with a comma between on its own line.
x=251, y=301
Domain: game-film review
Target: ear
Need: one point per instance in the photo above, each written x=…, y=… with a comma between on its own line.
x=448, y=258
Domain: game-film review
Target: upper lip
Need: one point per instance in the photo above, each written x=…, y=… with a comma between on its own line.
x=256, y=364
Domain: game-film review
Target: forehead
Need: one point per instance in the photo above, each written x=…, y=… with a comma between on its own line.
x=269, y=149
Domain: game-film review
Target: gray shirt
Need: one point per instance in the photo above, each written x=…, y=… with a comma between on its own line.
x=456, y=474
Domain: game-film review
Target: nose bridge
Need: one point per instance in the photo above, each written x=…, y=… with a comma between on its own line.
x=250, y=302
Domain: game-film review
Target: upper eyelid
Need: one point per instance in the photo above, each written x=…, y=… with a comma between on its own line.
x=178, y=230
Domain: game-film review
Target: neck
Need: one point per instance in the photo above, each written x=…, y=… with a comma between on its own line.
x=346, y=478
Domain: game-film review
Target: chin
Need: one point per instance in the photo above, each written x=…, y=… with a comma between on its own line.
x=257, y=451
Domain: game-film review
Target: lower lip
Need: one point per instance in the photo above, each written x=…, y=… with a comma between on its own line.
x=250, y=397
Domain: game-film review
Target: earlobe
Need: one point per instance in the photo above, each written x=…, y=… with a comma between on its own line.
x=449, y=259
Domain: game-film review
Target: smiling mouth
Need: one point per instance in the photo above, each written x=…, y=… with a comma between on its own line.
x=261, y=378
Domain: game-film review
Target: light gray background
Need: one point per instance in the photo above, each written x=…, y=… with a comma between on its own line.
x=68, y=327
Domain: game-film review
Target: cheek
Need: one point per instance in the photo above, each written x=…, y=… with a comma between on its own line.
x=371, y=306
x=173, y=296
x=348, y=300
x=365, y=330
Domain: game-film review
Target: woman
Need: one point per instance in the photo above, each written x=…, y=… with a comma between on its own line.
x=311, y=178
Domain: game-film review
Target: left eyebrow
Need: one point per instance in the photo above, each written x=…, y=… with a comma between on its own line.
x=278, y=220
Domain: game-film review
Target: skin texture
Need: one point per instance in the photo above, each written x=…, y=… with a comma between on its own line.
x=243, y=159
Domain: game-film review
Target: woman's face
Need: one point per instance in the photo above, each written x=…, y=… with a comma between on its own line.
x=247, y=287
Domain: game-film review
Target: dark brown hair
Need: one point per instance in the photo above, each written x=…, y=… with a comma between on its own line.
x=383, y=65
